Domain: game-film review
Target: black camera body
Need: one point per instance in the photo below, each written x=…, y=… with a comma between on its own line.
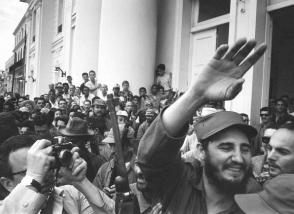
x=62, y=152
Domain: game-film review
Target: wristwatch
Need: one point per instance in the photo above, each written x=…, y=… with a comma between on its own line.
x=31, y=182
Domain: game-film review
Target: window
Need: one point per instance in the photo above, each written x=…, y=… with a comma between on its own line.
x=209, y=9
x=60, y=16
x=34, y=26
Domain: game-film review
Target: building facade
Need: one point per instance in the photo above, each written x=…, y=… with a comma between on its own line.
x=127, y=39
x=16, y=72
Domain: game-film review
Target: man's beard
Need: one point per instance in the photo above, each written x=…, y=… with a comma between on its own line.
x=224, y=185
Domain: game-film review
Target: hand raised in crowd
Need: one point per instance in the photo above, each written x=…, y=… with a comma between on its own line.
x=157, y=209
x=77, y=170
x=40, y=160
x=221, y=79
x=110, y=191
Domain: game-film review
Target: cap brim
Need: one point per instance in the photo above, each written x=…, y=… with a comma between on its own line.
x=66, y=133
x=249, y=130
x=253, y=204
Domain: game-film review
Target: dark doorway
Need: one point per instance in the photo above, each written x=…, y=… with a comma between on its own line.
x=282, y=60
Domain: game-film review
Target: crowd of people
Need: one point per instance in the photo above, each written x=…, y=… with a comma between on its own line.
x=183, y=153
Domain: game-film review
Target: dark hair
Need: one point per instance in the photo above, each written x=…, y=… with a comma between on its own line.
x=265, y=109
x=142, y=88
x=51, y=90
x=8, y=126
x=160, y=87
x=41, y=98
x=62, y=118
x=10, y=145
x=22, y=97
x=62, y=99
x=136, y=96
x=92, y=72
x=154, y=85
x=42, y=119
x=161, y=66
x=65, y=84
x=95, y=98
x=10, y=104
x=85, y=87
x=281, y=100
x=27, y=123
x=125, y=82
x=79, y=115
x=56, y=109
x=85, y=73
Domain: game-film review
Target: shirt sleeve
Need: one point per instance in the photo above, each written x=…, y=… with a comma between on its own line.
x=158, y=150
x=89, y=85
x=22, y=200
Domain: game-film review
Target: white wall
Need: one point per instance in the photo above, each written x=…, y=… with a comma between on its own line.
x=86, y=38
x=47, y=30
x=127, y=45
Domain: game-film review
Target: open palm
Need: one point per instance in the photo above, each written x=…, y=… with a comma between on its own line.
x=222, y=79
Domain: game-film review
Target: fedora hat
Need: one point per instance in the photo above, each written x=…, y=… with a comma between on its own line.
x=76, y=127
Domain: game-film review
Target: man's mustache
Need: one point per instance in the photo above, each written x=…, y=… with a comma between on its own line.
x=235, y=165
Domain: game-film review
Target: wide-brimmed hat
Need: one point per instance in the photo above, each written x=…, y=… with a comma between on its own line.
x=76, y=127
x=277, y=197
x=214, y=123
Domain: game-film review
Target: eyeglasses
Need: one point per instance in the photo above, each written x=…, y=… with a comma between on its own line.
x=20, y=172
x=265, y=115
x=265, y=140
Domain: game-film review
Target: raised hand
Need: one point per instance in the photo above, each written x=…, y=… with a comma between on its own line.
x=221, y=79
x=40, y=160
x=157, y=209
x=76, y=172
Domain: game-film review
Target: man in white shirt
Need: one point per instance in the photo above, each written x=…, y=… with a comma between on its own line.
x=93, y=85
x=86, y=96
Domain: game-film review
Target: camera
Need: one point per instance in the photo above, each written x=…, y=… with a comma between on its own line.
x=62, y=152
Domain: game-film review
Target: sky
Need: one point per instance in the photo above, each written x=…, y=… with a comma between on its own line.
x=11, y=12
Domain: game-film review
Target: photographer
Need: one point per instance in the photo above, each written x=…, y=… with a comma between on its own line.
x=28, y=176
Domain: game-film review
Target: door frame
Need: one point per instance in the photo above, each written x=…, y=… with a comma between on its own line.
x=268, y=41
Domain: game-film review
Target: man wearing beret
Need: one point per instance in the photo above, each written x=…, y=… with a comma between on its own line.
x=223, y=136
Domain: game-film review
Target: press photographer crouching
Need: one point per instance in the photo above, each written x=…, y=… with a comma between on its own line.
x=28, y=173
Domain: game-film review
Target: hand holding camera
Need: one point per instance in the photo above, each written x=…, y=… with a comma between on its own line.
x=40, y=160
x=76, y=171
x=44, y=156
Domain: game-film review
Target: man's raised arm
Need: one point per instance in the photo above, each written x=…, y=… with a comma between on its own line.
x=220, y=80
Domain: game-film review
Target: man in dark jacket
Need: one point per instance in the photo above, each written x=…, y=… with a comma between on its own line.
x=224, y=138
